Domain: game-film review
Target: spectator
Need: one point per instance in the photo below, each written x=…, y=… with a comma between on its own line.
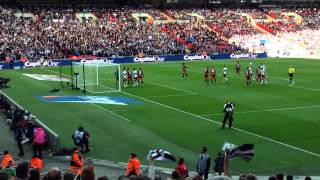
x=203, y=165
x=38, y=141
x=53, y=174
x=289, y=177
x=6, y=158
x=8, y=169
x=34, y=174
x=280, y=176
x=182, y=169
x=272, y=178
x=103, y=178
x=22, y=171
x=3, y=176
x=218, y=163
x=141, y=177
x=19, y=137
x=88, y=173
x=36, y=163
x=174, y=175
x=123, y=177
x=307, y=178
x=133, y=167
x=68, y=176
x=251, y=177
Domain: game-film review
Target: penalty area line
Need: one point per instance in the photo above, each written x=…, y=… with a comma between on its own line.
x=218, y=123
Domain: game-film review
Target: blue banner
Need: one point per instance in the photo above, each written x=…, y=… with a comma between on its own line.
x=131, y=59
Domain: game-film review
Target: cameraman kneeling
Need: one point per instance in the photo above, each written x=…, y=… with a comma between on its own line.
x=81, y=139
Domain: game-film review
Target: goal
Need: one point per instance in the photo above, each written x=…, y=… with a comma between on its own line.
x=96, y=77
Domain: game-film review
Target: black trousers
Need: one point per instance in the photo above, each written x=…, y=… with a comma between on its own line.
x=21, y=152
x=205, y=175
x=84, y=145
x=227, y=117
x=37, y=150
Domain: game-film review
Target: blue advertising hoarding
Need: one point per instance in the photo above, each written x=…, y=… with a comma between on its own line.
x=131, y=59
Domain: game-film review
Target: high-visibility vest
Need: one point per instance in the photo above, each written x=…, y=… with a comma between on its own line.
x=133, y=165
x=76, y=163
x=36, y=163
x=5, y=159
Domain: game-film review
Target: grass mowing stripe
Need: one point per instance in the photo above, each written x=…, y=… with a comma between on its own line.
x=266, y=110
x=218, y=123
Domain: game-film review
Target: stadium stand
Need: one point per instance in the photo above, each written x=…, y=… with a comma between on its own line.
x=53, y=33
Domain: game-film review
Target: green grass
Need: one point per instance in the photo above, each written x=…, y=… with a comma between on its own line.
x=172, y=118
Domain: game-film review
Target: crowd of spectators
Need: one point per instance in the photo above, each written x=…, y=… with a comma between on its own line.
x=59, y=33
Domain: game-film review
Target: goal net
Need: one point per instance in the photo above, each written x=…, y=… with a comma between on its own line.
x=97, y=77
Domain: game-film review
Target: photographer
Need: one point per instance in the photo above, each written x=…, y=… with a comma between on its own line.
x=81, y=139
x=228, y=116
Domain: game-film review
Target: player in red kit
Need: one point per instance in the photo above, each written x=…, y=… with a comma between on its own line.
x=206, y=75
x=140, y=76
x=129, y=76
x=238, y=67
x=184, y=71
x=258, y=75
x=213, y=75
x=248, y=76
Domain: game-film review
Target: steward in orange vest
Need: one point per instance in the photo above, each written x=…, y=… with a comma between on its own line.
x=6, y=158
x=133, y=165
x=76, y=163
x=36, y=163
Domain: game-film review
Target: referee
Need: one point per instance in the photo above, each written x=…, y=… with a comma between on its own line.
x=291, y=72
x=228, y=110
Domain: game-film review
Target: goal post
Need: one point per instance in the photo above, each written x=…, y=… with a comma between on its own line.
x=97, y=77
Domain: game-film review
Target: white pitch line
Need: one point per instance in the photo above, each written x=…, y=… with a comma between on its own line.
x=218, y=123
x=173, y=95
x=189, y=92
x=266, y=110
x=111, y=112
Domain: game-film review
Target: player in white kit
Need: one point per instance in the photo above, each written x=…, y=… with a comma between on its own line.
x=224, y=74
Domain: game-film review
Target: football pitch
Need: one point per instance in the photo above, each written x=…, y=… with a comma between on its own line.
x=180, y=116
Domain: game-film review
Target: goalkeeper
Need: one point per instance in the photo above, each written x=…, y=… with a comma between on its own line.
x=228, y=114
